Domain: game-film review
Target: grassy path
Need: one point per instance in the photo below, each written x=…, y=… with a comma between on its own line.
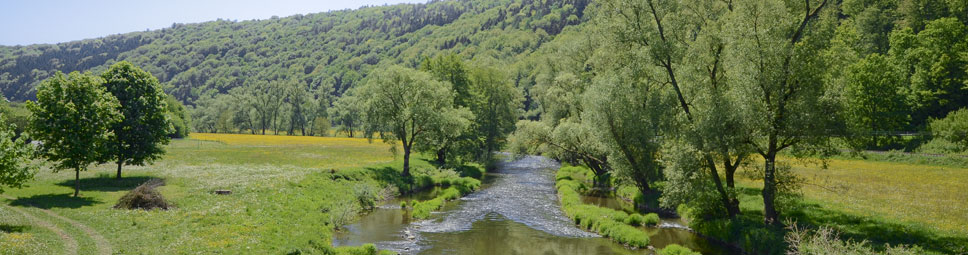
x=103, y=246
x=70, y=244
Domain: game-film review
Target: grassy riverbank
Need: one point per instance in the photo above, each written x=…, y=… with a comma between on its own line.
x=885, y=200
x=287, y=194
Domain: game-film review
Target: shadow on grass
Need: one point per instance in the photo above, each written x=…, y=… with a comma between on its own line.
x=749, y=231
x=879, y=231
x=108, y=183
x=7, y=228
x=48, y=201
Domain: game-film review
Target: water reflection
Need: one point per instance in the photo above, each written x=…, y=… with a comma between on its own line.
x=517, y=212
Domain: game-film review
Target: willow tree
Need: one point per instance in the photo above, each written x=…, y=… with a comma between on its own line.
x=495, y=103
x=408, y=106
x=72, y=117
x=562, y=75
x=776, y=58
x=680, y=45
x=630, y=119
x=138, y=138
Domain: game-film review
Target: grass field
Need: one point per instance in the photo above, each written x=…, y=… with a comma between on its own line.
x=881, y=201
x=282, y=188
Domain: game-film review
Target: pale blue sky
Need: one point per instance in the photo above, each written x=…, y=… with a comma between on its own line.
x=51, y=21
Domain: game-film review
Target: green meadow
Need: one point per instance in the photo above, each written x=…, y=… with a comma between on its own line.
x=283, y=192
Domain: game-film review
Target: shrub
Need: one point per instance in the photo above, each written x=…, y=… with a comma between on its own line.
x=825, y=241
x=675, y=249
x=953, y=128
x=144, y=197
x=651, y=219
x=366, y=196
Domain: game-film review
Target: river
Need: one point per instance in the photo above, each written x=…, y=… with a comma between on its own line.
x=516, y=211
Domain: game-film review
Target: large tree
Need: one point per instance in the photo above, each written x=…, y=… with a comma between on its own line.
x=144, y=128
x=407, y=106
x=449, y=68
x=679, y=44
x=776, y=60
x=495, y=103
x=73, y=116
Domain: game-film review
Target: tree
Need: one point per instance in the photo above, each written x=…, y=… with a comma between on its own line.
x=266, y=98
x=495, y=103
x=318, y=110
x=347, y=113
x=681, y=45
x=630, y=118
x=451, y=69
x=142, y=131
x=73, y=116
x=15, y=157
x=179, y=116
x=876, y=102
x=776, y=60
x=406, y=105
x=296, y=98
x=938, y=68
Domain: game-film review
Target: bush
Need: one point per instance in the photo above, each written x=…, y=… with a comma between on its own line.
x=953, y=129
x=825, y=241
x=642, y=220
x=144, y=197
x=675, y=249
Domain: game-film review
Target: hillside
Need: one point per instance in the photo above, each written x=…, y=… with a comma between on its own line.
x=323, y=49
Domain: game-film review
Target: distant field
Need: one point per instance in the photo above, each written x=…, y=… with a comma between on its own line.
x=281, y=188
x=885, y=201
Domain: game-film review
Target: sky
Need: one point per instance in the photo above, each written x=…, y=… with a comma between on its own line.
x=25, y=22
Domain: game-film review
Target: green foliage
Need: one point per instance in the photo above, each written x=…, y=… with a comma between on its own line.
x=952, y=129
x=675, y=249
x=408, y=106
x=137, y=139
x=334, y=49
x=346, y=112
x=16, y=167
x=73, y=117
x=939, y=69
x=613, y=224
x=825, y=241
x=457, y=187
x=179, y=116
x=16, y=114
x=876, y=102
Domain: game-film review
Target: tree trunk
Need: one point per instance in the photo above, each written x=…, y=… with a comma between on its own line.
x=723, y=195
x=769, y=189
x=119, y=170
x=77, y=181
x=120, y=158
x=441, y=156
x=406, y=162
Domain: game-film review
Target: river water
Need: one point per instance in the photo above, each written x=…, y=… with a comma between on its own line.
x=515, y=212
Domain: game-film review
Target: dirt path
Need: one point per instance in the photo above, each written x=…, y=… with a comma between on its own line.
x=70, y=245
x=103, y=246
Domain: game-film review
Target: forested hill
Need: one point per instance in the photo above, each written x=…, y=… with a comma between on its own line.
x=324, y=49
